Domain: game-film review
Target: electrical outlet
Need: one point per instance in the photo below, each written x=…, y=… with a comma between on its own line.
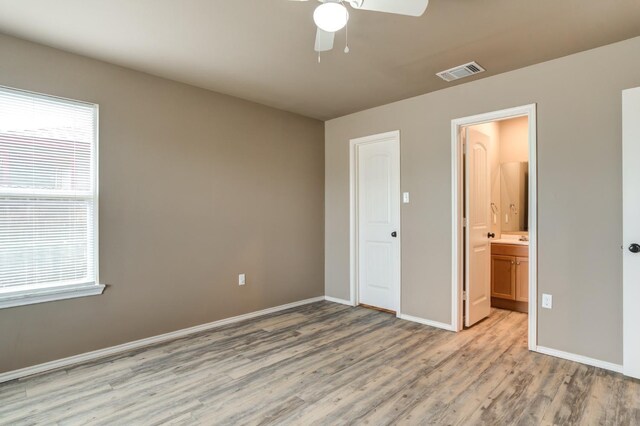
x=547, y=301
x=241, y=279
x=405, y=197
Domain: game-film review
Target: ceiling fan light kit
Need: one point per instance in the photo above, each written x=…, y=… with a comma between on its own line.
x=332, y=16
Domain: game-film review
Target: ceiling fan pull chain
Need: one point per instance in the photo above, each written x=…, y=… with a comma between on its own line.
x=346, y=39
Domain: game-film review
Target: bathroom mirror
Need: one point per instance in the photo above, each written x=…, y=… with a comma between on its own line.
x=514, y=196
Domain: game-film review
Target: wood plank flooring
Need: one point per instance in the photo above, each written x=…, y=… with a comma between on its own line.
x=330, y=364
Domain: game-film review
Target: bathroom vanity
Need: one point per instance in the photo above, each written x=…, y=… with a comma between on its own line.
x=510, y=253
x=510, y=274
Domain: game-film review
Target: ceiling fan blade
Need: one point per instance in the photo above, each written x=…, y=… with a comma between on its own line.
x=324, y=40
x=400, y=7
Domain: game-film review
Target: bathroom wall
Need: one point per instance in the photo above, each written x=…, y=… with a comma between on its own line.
x=514, y=147
x=514, y=137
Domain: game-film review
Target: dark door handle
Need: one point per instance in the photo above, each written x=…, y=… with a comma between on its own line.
x=634, y=248
x=394, y=234
x=491, y=235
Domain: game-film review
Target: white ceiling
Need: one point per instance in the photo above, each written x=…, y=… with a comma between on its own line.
x=262, y=50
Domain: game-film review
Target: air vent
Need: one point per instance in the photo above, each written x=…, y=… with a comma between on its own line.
x=461, y=71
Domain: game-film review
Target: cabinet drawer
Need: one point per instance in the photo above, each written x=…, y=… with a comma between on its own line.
x=510, y=250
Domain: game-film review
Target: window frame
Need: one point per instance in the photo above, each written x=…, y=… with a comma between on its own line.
x=39, y=293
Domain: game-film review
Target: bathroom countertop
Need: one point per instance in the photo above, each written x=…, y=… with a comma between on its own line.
x=510, y=241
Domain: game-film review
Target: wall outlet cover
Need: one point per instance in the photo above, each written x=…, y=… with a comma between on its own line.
x=242, y=279
x=405, y=197
x=547, y=301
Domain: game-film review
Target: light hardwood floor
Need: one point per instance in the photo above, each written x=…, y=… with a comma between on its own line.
x=330, y=364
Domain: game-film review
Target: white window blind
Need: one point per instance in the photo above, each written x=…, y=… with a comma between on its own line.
x=48, y=211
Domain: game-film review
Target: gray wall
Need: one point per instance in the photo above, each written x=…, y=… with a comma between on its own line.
x=579, y=191
x=195, y=187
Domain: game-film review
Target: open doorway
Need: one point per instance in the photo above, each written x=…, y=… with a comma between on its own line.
x=494, y=216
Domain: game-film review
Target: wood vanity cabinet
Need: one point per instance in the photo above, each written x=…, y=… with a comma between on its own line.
x=522, y=279
x=503, y=277
x=510, y=276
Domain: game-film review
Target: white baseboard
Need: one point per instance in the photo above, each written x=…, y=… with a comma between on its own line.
x=579, y=358
x=337, y=300
x=113, y=350
x=419, y=320
x=405, y=317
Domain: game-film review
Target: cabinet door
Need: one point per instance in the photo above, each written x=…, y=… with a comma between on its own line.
x=522, y=279
x=503, y=277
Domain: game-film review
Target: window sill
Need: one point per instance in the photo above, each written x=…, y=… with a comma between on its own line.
x=11, y=297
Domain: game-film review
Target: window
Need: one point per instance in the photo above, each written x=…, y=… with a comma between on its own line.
x=48, y=198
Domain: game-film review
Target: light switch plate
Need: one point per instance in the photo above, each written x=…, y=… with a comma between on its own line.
x=241, y=279
x=405, y=197
x=547, y=301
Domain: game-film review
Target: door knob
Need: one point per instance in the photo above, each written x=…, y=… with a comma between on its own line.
x=491, y=235
x=634, y=248
x=394, y=234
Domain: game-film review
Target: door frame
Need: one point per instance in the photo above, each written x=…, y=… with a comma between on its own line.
x=354, y=144
x=457, y=183
x=630, y=288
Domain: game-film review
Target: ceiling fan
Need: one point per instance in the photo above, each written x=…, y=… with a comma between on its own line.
x=332, y=16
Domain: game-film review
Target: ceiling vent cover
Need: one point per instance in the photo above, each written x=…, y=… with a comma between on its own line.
x=461, y=71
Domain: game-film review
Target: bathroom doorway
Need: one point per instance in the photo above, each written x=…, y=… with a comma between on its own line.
x=494, y=254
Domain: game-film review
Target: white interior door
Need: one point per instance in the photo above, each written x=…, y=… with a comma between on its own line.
x=478, y=214
x=631, y=230
x=378, y=212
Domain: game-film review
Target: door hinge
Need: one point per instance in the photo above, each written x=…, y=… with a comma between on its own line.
x=464, y=295
x=464, y=222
